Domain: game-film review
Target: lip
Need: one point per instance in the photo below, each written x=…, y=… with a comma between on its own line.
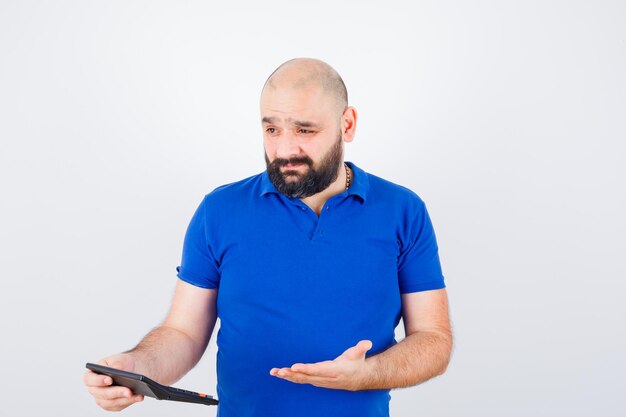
x=292, y=165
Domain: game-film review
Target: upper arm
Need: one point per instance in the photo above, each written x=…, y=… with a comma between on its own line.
x=193, y=311
x=426, y=311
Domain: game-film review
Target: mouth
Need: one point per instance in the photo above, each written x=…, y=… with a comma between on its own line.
x=292, y=166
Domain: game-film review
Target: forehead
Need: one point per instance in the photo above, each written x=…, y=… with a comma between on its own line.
x=295, y=104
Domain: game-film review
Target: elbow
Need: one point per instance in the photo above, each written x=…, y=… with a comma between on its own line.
x=446, y=355
x=437, y=361
x=443, y=366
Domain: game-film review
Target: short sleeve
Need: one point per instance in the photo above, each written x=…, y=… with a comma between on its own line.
x=198, y=265
x=419, y=268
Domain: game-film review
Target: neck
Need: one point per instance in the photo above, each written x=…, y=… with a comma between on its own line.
x=317, y=201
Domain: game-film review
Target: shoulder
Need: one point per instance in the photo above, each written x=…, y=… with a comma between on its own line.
x=393, y=194
x=231, y=194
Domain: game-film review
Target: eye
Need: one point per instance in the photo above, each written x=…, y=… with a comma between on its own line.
x=270, y=130
x=305, y=131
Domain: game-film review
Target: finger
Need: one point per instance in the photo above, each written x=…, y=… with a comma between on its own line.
x=324, y=369
x=358, y=351
x=300, y=378
x=110, y=393
x=282, y=371
x=288, y=373
x=275, y=371
x=113, y=362
x=118, y=403
x=365, y=345
x=92, y=379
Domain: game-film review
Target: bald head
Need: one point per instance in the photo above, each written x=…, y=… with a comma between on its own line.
x=301, y=73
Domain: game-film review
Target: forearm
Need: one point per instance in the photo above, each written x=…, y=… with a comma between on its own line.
x=165, y=354
x=417, y=358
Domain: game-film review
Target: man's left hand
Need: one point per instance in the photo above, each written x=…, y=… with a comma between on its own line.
x=347, y=371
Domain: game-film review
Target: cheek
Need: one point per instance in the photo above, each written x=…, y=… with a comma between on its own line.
x=270, y=150
x=316, y=150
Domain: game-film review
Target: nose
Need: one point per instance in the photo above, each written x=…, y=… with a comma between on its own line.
x=288, y=146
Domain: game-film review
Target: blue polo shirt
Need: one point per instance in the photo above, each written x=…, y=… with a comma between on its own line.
x=297, y=287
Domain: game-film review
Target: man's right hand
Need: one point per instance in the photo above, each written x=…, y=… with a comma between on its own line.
x=112, y=398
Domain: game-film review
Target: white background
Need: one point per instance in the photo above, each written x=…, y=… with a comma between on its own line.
x=507, y=118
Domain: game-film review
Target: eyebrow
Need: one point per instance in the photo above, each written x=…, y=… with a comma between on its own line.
x=300, y=123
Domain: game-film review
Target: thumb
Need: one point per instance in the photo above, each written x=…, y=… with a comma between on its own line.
x=119, y=361
x=358, y=351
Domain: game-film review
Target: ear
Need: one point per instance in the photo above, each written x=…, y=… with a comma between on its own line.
x=348, y=124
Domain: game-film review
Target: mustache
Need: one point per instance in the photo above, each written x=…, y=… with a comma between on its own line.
x=279, y=162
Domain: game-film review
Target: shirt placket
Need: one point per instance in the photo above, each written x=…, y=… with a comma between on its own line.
x=316, y=226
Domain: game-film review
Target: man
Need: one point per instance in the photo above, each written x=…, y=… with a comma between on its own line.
x=309, y=266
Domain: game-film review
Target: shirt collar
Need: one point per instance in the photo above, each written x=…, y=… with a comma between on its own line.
x=359, y=183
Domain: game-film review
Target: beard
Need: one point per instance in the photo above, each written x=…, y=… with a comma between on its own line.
x=314, y=180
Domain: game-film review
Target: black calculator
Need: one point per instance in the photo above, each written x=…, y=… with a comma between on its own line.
x=143, y=385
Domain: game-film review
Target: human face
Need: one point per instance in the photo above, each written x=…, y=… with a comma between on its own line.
x=315, y=179
x=302, y=139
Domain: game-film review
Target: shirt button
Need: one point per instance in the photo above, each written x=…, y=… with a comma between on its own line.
x=302, y=208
